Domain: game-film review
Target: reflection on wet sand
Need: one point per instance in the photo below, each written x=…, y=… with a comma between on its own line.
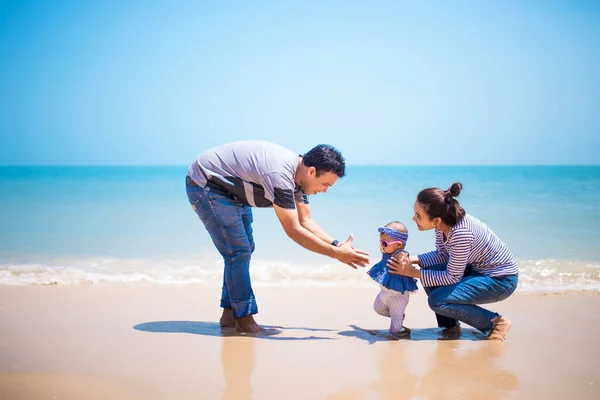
x=446, y=370
x=238, y=359
x=458, y=371
x=396, y=380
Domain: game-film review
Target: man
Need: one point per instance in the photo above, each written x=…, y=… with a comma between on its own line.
x=226, y=181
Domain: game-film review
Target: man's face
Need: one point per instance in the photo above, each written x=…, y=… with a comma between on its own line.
x=314, y=184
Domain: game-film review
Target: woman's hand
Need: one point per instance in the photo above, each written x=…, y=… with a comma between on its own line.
x=402, y=266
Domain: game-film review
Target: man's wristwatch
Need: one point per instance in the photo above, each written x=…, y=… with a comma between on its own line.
x=335, y=243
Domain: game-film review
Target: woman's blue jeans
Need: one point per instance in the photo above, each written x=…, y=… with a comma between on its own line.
x=229, y=224
x=458, y=302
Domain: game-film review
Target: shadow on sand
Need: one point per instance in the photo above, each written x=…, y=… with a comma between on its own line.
x=214, y=329
x=372, y=335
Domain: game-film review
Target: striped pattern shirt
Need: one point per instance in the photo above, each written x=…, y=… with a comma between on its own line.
x=254, y=172
x=469, y=242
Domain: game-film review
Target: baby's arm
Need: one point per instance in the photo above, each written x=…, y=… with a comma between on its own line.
x=398, y=257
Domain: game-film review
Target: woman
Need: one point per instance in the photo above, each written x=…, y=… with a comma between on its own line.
x=470, y=265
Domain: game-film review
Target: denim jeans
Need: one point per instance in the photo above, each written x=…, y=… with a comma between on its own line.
x=229, y=224
x=458, y=302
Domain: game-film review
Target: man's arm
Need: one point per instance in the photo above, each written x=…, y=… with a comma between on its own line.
x=307, y=222
x=345, y=253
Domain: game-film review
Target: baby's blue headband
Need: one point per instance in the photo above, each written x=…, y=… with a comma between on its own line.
x=394, y=234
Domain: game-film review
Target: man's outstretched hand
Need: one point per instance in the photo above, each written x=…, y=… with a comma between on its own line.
x=351, y=256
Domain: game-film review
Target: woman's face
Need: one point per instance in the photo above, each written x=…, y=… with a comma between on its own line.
x=424, y=223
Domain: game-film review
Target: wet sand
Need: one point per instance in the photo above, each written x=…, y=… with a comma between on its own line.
x=143, y=341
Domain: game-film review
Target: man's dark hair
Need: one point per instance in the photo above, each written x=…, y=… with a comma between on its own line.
x=325, y=158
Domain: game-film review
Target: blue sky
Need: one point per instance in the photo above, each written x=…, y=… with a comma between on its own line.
x=151, y=82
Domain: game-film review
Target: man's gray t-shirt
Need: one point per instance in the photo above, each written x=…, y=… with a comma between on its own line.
x=256, y=173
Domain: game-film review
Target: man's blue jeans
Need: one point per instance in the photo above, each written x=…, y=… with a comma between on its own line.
x=458, y=302
x=229, y=224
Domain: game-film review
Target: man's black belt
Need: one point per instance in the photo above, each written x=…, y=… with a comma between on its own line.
x=190, y=181
x=215, y=187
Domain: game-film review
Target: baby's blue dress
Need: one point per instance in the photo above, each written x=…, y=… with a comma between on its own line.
x=381, y=274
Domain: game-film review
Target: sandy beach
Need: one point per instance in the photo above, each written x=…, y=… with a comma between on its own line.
x=144, y=341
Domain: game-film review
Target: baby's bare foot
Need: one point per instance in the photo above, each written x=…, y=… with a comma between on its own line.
x=404, y=333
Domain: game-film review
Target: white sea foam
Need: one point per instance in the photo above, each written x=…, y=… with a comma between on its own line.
x=535, y=275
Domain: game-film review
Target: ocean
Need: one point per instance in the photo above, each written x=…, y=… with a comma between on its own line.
x=78, y=225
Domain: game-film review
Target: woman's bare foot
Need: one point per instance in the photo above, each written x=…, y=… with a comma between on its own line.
x=500, y=329
x=452, y=333
x=247, y=324
x=454, y=330
x=227, y=320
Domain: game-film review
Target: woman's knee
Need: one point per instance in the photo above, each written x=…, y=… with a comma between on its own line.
x=511, y=286
x=437, y=300
x=429, y=289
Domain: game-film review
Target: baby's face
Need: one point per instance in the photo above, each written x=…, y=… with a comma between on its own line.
x=387, y=244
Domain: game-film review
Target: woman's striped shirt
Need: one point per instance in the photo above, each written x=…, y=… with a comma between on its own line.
x=469, y=242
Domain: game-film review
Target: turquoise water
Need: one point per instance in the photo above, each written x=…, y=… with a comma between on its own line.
x=75, y=224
